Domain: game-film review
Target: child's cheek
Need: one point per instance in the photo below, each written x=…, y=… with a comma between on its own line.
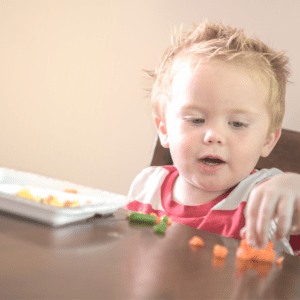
x=190, y=147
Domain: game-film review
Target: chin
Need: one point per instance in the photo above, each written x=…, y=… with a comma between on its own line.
x=213, y=188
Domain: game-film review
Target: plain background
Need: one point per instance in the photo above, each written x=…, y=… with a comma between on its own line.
x=71, y=85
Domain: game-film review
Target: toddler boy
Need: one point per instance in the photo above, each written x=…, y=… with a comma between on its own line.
x=218, y=104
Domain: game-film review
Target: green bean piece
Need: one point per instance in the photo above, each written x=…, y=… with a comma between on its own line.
x=142, y=219
x=161, y=227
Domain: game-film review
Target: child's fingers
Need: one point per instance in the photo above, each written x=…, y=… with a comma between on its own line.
x=265, y=213
x=251, y=217
x=284, y=213
x=260, y=210
x=243, y=232
x=295, y=227
x=295, y=230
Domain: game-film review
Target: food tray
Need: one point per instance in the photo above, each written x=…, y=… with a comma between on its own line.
x=12, y=181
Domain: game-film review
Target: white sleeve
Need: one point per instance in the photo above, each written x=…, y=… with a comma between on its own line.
x=146, y=187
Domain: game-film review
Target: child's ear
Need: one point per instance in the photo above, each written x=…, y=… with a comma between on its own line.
x=270, y=143
x=162, y=132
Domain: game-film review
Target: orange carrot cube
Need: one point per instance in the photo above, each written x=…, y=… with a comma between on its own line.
x=220, y=251
x=242, y=253
x=246, y=251
x=279, y=260
x=158, y=219
x=196, y=241
x=263, y=255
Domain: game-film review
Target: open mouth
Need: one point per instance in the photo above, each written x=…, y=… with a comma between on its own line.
x=211, y=161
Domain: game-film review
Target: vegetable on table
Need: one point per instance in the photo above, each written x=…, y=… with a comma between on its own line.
x=220, y=251
x=247, y=252
x=196, y=242
x=161, y=227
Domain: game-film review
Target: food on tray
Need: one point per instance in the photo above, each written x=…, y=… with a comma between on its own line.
x=73, y=191
x=50, y=200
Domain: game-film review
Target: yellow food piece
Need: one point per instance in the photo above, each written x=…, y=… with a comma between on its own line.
x=25, y=194
x=74, y=203
x=50, y=200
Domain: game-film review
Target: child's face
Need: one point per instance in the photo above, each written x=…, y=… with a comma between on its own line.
x=217, y=111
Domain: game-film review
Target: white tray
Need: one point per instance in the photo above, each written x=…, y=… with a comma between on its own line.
x=12, y=181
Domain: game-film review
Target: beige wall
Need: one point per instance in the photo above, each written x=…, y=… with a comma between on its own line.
x=72, y=104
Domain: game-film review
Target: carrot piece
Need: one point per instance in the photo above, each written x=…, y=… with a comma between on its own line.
x=246, y=251
x=220, y=251
x=279, y=260
x=158, y=219
x=263, y=255
x=67, y=203
x=196, y=241
x=73, y=191
x=244, y=244
x=242, y=253
x=49, y=199
x=270, y=246
x=266, y=255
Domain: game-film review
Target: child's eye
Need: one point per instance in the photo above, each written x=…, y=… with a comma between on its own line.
x=238, y=124
x=197, y=121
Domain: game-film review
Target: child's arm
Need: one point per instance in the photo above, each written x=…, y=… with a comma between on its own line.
x=277, y=198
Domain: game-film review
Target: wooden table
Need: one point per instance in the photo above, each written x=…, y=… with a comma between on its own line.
x=107, y=258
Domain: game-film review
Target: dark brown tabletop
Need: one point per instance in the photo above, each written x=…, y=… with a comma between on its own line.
x=108, y=258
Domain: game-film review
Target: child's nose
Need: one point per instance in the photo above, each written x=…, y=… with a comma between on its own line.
x=213, y=136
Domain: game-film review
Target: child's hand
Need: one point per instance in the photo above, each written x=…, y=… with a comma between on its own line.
x=277, y=198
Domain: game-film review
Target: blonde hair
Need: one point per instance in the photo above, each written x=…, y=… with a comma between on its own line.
x=214, y=40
